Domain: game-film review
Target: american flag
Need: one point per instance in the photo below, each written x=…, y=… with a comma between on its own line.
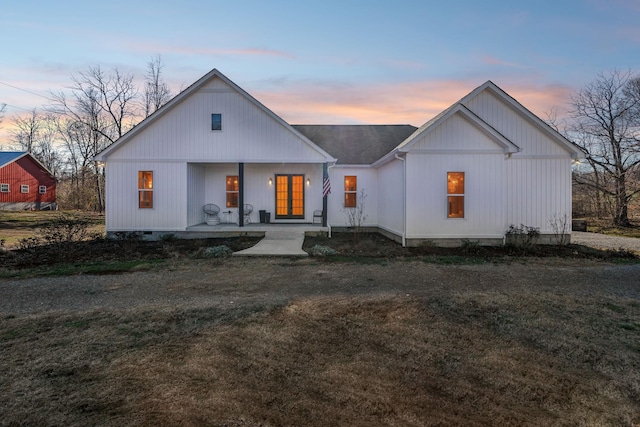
x=326, y=185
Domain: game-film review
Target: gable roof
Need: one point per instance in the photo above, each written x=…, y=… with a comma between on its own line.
x=356, y=144
x=508, y=146
x=185, y=94
x=575, y=151
x=457, y=108
x=7, y=157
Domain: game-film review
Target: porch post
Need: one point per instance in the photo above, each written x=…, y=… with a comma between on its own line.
x=241, y=194
x=325, y=172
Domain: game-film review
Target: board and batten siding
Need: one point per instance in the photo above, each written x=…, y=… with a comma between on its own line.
x=529, y=138
x=484, y=204
x=538, y=190
x=456, y=133
x=169, y=210
x=195, y=194
x=391, y=208
x=539, y=176
x=367, y=181
x=248, y=134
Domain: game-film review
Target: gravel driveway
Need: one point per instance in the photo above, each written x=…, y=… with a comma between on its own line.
x=602, y=241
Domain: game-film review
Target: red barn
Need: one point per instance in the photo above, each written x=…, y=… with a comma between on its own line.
x=25, y=183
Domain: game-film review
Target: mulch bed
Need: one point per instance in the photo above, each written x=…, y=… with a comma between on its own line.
x=366, y=245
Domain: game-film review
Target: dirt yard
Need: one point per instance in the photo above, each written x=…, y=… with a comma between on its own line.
x=269, y=342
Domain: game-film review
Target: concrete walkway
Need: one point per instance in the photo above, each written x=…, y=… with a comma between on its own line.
x=277, y=243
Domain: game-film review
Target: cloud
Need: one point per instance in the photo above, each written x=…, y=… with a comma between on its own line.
x=188, y=50
x=492, y=60
x=327, y=102
x=392, y=103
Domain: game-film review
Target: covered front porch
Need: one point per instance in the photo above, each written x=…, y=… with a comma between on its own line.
x=241, y=194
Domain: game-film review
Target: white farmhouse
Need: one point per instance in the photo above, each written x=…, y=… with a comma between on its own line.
x=480, y=166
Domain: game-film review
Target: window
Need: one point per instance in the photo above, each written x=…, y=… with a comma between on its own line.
x=350, y=191
x=232, y=191
x=42, y=189
x=216, y=122
x=145, y=189
x=455, y=194
x=4, y=188
x=24, y=188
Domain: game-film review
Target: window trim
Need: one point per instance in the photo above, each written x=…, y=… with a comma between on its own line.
x=216, y=122
x=24, y=188
x=142, y=189
x=348, y=194
x=42, y=189
x=450, y=196
x=5, y=188
x=232, y=189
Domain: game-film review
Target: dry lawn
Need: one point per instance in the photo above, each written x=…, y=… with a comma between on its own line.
x=531, y=354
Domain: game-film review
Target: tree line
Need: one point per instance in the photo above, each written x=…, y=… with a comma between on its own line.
x=604, y=121
x=100, y=106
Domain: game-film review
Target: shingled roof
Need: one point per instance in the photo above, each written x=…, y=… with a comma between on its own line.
x=356, y=144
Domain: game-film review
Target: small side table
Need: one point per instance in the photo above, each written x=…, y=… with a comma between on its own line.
x=228, y=217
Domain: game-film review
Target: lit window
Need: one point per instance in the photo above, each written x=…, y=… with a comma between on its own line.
x=24, y=188
x=42, y=189
x=4, y=188
x=232, y=191
x=350, y=191
x=145, y=189
x=455, y=194
x=216, y=122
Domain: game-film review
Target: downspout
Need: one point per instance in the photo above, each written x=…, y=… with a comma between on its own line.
x=404, y=199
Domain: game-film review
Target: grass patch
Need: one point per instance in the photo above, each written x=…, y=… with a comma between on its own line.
x=23, y=224
x=99, y=267
x=525, y=358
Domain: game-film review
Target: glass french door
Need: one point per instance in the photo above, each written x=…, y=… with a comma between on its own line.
x=289, y=196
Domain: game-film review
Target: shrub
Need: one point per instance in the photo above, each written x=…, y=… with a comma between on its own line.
x=66, y=227
x=213, y=252
x=169, y=237
x=522, y=236
x=321, y=251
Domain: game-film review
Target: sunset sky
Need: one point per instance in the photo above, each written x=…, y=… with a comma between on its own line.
x=348, y=61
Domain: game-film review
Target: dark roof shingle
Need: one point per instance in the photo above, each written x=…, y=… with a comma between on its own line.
x=356, y=144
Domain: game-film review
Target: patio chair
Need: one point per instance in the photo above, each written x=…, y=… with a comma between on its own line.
x=247, y=213
x=211, y=212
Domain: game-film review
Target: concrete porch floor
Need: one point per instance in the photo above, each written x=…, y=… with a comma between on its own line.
x=232, y=229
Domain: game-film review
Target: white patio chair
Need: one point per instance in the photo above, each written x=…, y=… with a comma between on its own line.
x=247, y=213
x=211, y=212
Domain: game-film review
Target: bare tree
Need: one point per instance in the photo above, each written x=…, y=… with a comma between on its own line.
x=100, y=110
x=3, y=108
x=606, y=124
x=105, y=103
x=25, y=132
x=156, y=91
x=36, y=134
